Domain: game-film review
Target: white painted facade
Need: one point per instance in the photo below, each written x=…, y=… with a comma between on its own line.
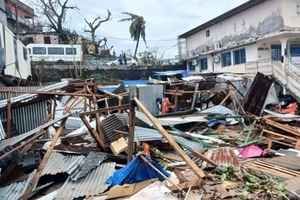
x=258, y=30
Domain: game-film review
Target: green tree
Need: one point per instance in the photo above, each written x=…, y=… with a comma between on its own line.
x=136, y=28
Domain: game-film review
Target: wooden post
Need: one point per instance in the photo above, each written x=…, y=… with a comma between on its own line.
x=8, y=118
x=156, y=123
x=195, y=97
x=93, y=132
x=131, y=130
x=36, y=176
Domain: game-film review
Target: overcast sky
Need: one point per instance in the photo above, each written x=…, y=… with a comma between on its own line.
x=165, y=19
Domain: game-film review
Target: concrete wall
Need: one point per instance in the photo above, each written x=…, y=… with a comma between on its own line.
x=291, y=13
x=55, y=72
x=259, y=20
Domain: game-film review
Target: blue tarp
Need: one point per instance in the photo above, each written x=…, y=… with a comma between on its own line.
x=136, y=171
x=129, y=83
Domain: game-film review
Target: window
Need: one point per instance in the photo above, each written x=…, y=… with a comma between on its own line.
x=207, y=33
x=203, y=64
x=276, y=52
x=71, y=51
x=226, y=59
x=56, y=51
x=295, y=50
x=239, y=56
x=39, y=50
x=191, y=66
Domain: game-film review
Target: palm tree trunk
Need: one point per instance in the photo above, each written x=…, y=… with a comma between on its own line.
x=137, y=46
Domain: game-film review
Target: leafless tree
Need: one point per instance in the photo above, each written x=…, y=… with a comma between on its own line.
x=95, y=24
x=55, y=11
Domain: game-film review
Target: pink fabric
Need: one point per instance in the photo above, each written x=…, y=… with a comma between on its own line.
x=251, y=151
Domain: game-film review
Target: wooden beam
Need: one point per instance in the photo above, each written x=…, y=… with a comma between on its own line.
x=36, y=176
x=8, y=118
x=105, y=110
x=131, y=130
x=92, y=131
x=199, y=172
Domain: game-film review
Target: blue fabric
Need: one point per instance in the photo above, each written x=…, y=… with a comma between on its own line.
x=136, y=171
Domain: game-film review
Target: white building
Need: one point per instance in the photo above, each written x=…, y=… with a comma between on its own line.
x=255, y=36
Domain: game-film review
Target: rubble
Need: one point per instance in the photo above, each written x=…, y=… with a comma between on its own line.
x=238, y=147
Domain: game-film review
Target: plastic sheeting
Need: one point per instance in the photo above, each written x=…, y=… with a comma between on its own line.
x=136, y=171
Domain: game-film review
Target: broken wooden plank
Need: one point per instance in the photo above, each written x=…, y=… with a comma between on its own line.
x=199, y=172
x=93, y=132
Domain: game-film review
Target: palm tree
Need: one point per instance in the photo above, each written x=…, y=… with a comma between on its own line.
x=136, y=28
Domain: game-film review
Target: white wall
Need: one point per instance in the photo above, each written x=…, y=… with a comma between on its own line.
x=10, y=58
x=291, y=13
x=261, y=18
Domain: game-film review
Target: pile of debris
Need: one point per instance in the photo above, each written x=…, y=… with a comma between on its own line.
x=215, y=137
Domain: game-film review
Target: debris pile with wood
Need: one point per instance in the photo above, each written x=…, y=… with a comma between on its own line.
x=213, y=137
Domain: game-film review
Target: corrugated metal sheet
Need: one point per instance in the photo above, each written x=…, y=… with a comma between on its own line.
x=15, y=190
x=15, y=91
x=2, y=132
x=224, y=157
x=17, y=139
x=93, y=160
x=110, y=124
x=12, y=191
x=146, y=134
x=93, y=184
x=62, y=163
x=172, y=121
x=27, y=117
x=24, y=97
x=189, y=144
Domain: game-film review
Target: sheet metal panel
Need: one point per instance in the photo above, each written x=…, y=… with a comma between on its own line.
x=2, y=132
x=17, y=139
x=26, y=97
x=91, y=185
x=12, y=191
x=146, y=134
x=62, y=163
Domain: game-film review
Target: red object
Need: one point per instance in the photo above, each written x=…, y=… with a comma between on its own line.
x=146, y=149
x=166, y=105
x=291, y=109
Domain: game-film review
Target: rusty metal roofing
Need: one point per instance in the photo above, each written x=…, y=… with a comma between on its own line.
x=25, y=97
x=62, y=163
x=91, y=185
x=224, y=157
